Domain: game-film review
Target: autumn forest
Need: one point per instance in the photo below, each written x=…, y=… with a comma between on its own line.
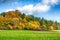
x=15, y=20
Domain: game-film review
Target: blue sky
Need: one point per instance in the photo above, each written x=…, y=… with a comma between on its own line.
x=49, y=9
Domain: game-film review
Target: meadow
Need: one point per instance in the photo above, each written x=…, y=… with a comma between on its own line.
x=29, y=35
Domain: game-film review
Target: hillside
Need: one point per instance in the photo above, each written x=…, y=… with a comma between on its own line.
x=15, y=20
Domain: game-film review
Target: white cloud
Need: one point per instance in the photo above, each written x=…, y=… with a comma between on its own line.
x=30, y=9
x=50, y=2
x=44, y=6
x=54, y=1
x=41, y=7
x=9, y=10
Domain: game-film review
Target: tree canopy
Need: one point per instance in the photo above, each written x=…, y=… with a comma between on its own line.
x=13, y=20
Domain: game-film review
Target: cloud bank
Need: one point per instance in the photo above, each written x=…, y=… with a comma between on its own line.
x=43, y=6
x=30, y=9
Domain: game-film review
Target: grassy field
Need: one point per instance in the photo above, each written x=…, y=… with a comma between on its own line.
x=29, y=35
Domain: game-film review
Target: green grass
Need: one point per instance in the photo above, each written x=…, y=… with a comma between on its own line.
x=29, y=35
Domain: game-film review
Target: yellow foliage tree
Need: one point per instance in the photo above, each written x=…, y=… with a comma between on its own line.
x=51, y=28
x=34, y=25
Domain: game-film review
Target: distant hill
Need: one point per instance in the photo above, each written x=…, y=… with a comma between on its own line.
x=15, y=20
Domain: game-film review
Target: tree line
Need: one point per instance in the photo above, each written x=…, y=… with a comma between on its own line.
x=15, y=20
